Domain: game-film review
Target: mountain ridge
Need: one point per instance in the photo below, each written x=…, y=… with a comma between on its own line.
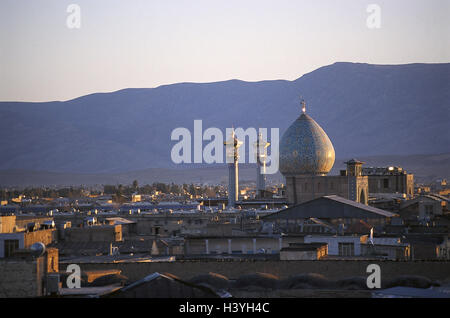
x=365, y=109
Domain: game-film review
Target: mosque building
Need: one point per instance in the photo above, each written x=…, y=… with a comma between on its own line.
x=306, y=157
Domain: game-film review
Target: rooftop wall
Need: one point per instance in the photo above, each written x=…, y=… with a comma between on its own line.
x=19, y=278
x=7, y=224
x=96, y=233
x=44, y=236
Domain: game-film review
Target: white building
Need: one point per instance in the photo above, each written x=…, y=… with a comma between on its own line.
x=340, y=245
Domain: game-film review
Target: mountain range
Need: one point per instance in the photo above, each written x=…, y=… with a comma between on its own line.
x=366, y=110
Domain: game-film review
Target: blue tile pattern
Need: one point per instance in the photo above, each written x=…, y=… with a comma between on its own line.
x=305, y=149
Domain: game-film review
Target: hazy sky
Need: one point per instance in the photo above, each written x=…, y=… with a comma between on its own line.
x=137, y=43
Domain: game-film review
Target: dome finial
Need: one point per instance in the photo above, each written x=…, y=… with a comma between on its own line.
x=303, y=105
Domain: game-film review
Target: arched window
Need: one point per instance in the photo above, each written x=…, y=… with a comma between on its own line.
x=362, y=197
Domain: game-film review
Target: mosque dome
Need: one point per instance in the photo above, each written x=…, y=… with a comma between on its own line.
x=305, y=148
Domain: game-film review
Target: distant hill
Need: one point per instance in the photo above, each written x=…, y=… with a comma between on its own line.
x=426, y=168
x=365, y=109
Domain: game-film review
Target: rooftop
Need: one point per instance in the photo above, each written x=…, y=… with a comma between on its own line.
x=303, y=247
x=327, y=207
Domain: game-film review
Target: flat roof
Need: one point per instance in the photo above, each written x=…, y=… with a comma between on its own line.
x=119, y=220
x=303, y=247
x=256, y=236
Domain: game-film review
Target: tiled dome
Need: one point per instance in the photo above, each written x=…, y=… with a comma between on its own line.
x=305, y=149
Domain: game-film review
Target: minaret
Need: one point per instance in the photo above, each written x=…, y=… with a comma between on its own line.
x=261, y=155
x=232, y=153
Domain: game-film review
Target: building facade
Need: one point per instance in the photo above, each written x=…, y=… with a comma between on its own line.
x=350, y=184
x=306, y=157
x=389, y=180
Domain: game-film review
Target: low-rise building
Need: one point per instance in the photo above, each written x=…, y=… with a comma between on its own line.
x=396, y=251
x=361, y=246
x=129, y=228
x=13, y=237
x=24, y=275
x=303, y=251
x=423, y=207
x=9, y=209
x=245, y=244
x=340, y=245
x=94, y=233
x=332, y=209
x=389, y=180
x=7, y=224
x=428, y=246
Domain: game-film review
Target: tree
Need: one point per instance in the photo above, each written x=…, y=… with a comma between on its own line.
x=146, y=189
x=109, y=189
x=192, y=189
x=174, y=188
x=119, y=191
x=135, y=185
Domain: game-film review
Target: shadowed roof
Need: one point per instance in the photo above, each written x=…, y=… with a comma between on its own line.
x=330, y=207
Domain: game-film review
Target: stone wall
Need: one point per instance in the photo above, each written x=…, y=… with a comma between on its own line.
x=23, y=220
x=95, y=233
x=52, y=260
x=333, y=269
x=403, y=183
x=288, y=255
x=303, y=188
x=244, y=245
x=20, y=278
x=7, y=224
x=44, y=236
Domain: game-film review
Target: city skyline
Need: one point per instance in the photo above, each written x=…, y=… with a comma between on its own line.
x=244, y=151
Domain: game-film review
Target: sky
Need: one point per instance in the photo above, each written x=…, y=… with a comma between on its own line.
x=148, y=43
